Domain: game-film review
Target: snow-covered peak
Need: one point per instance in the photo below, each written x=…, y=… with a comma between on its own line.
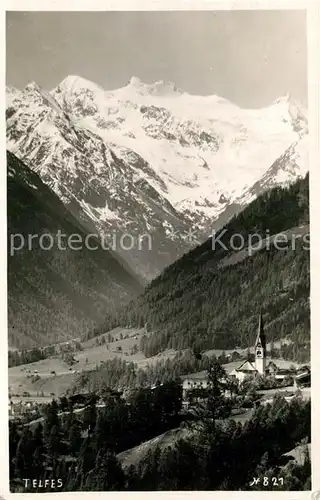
x=163, y=87
x=35, y=95
x=32, y=86
x=287, y=102
x=283, y=99
x=33, y=92
x=135, y=82
x=12, y=94
x=76, y=84
x=292, y=111
x=159, y=88
x=11, y=90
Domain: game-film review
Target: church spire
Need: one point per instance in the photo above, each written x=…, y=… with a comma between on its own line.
x=261, y=338
x=260, y=349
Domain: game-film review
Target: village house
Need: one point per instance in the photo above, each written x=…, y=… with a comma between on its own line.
x=245, y=369
x=194, y=387
x=303, y=378
x=193, y=381
x=20, y=407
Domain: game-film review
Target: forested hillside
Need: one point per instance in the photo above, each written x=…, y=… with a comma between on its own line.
x=54, y=294
x=84, y=449
x=200, y=304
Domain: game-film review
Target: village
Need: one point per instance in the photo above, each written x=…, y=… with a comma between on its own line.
x=258, y=380
x=267, y=376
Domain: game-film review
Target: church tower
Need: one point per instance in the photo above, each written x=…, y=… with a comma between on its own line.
x=260, y=349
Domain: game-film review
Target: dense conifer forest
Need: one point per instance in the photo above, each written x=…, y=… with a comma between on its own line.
x=81, y=449
x=198, y=303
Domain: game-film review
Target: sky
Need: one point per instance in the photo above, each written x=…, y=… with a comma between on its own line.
x=248, y=57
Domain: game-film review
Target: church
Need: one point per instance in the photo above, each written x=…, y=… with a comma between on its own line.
x=279, y=370
x=259, y=366
x=199, y=380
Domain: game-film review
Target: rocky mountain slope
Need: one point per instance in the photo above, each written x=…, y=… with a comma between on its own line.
x=151, y=161
x=55, y=294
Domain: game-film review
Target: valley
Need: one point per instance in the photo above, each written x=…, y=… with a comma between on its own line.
x=55, y=294
x=158, y=251
x=111, y=380
x=53, y=377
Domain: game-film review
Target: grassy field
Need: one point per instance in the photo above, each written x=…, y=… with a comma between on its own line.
x=56, y=376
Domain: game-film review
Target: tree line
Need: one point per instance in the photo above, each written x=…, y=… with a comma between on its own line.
x=26, y=356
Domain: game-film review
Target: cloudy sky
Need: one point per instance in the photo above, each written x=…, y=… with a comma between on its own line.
x=249, y=57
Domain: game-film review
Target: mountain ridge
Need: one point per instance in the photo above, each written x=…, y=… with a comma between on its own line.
x=150, y=158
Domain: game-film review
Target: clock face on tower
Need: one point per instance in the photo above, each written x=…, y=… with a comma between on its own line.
x=259, y=353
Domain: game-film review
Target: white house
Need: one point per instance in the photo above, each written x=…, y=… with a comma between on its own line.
x=192, y=381
x=246, y=368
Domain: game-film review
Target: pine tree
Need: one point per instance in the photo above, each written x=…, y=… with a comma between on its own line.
x=74, y=437
x=13, y=443
x=24, y=456
x=51, y=418
x=53, y=444
x=216, y=406
x=107, y=474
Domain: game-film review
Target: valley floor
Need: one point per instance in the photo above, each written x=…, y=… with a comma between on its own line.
x=53, y=376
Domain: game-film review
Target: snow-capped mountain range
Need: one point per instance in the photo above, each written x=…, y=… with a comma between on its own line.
x=152, y=159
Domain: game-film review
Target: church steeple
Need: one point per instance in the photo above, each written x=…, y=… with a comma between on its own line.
x=260, y=348
x=261, y=338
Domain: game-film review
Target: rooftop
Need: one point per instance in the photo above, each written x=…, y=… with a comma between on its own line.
x=203, y=375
